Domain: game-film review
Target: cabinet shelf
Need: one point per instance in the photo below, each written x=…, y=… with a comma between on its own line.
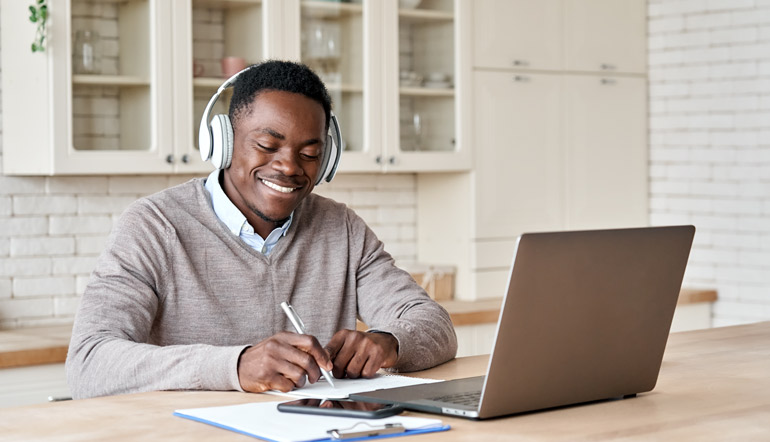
x=225, y=3
x=215, y=82
x=325, y=8
x=110, y=80
x=208, y=82
x=427, y=92
x=423, y=16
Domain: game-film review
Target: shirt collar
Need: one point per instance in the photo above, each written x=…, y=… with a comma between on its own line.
x=230, y=215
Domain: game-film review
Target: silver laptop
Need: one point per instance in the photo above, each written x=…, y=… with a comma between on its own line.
x=585, y=317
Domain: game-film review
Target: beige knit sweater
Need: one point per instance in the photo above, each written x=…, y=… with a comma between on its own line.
x=175, y=297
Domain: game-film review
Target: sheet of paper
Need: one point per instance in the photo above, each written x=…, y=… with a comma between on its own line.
x=346, y=387
x=263, y=420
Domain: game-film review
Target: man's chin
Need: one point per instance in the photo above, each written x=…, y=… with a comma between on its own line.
x=277, y=219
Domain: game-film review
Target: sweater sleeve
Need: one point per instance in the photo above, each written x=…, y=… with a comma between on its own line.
x=110, y=350
x=389, y=300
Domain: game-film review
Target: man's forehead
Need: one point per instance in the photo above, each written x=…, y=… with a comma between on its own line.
x=275, y=100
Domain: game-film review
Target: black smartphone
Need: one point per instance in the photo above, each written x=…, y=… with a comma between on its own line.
x=344, y=408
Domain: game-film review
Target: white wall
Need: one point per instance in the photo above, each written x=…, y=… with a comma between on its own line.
x=52, y=230
x=709, y=71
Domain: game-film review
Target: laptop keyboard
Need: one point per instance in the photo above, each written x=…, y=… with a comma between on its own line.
x=469, y=398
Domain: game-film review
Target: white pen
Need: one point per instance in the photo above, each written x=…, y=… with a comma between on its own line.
x=299, y=326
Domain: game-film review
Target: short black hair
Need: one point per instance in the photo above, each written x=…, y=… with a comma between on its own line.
x=277, y=75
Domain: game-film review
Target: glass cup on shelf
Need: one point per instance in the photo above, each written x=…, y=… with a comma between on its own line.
x=321, y=48
x=413, y=132
x=86, y=52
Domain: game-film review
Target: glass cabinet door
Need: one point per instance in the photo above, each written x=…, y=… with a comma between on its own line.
x=112, y=85
x=226, y=36
x=332, y=44
x=426, y=82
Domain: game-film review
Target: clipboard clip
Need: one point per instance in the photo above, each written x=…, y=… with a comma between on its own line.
x=358, y=430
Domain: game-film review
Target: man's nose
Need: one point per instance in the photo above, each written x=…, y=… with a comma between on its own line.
x=287, y=162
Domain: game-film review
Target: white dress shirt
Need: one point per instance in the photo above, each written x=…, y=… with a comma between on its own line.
x=236, y=221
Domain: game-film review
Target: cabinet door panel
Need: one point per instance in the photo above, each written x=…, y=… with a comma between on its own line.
x=606, y=35
x=518, y=153
x=423, y=74
x=607, y=139
x=517, y=34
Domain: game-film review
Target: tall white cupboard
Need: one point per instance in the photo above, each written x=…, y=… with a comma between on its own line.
x=559, y=134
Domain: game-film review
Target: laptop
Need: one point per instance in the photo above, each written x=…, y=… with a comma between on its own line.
x=585, y=317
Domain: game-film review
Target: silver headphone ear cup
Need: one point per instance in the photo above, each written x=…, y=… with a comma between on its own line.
x=222, y=145
x=335, y=143
x=204, y=141
x=227, y=153
x=323, y=170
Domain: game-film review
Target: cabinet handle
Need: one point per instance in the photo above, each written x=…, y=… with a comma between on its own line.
x=520, y=63
x=392, y=160
x=608, y=81
x=607, y=67
x=170, y=159
x=520, y=78
x=185, y=158
x=378, y=159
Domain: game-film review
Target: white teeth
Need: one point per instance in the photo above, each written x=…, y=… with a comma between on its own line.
x=278, y=188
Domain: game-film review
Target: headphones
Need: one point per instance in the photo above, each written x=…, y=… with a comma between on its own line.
x=215, y=139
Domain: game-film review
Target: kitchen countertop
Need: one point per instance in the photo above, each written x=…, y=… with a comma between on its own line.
x=48, y=345
x=34, y=345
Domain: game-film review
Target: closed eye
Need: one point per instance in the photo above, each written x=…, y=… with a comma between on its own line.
x=267, y=148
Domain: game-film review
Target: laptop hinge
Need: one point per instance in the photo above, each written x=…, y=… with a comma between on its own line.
x=456, y=412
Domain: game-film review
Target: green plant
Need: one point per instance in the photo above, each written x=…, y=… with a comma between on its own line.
x=39, y=15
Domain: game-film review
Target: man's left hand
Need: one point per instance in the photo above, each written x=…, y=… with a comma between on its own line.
x=357, y=354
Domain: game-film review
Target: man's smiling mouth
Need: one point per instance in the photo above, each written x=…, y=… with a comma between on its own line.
x=279, y=188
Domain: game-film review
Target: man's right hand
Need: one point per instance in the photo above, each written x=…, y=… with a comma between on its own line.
x=281, y=362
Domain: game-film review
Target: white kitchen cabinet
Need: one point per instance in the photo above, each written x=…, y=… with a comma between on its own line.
x=391, y=122
x=555, y=148
x=606, y=35
x=160, y=64
x=606, y=133
x=572, y=35
x=519, y=34
x=431, y=41
x=520, y=183
x=520, y=156
x=118, y=119
x=553, y=152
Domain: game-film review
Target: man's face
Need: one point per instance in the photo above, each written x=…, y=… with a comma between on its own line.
x=277, y=149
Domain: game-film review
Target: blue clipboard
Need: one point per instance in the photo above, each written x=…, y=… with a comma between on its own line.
x=262, y=420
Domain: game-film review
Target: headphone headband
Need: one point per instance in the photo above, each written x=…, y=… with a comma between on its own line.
x=215, y=139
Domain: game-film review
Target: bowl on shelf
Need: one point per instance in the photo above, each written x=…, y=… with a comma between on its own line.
x=410, y=79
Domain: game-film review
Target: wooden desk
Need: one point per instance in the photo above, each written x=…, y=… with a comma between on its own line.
x=714, y=385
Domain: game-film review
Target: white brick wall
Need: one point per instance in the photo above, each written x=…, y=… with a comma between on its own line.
x=50, y=240
x=52, y=229
x=709, y=92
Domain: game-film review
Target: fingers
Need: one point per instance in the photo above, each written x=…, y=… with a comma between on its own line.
x=357, y=354
x=311, y=346
x=282, y=362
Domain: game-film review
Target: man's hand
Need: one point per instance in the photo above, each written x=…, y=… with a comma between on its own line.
x=281, y=362
x=356, y=354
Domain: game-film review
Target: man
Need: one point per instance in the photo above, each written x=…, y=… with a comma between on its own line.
x=187, y=292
